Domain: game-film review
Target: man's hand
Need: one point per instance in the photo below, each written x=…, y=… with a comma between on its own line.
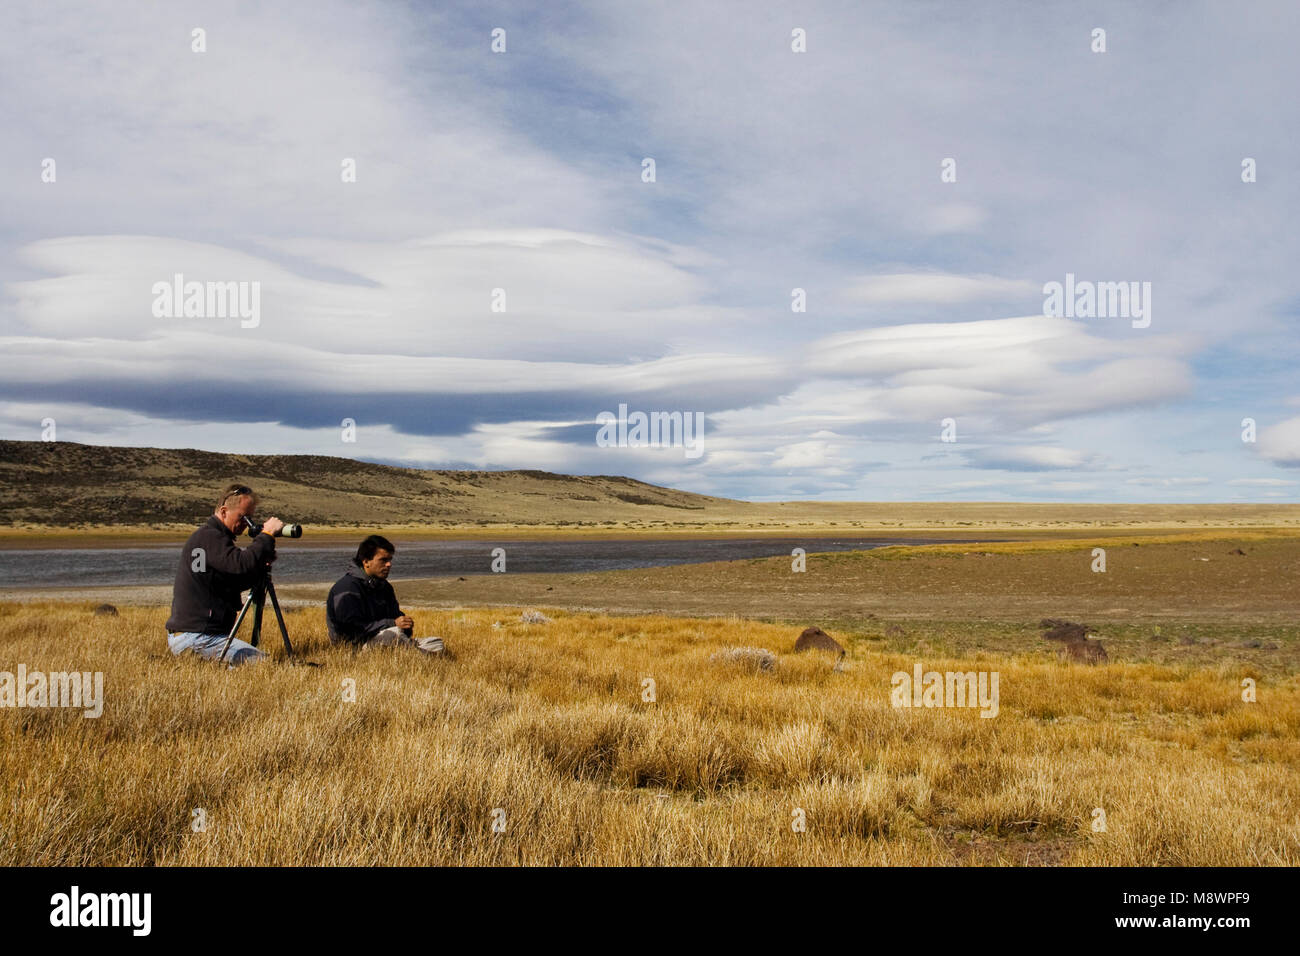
x=405, y=623
x=272, y=526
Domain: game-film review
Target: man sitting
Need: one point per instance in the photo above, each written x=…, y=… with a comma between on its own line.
x=362, y=607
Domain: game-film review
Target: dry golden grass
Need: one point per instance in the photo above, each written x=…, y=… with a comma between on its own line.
x=547, y=723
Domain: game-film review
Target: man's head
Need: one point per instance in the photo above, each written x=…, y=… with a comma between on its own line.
x=236, y=503
x=375, y=556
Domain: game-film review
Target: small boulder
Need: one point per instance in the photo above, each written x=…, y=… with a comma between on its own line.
x=815, y=639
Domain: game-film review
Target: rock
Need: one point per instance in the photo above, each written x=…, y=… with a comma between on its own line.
x=815, y=639
x=105, y=610
x=750, y=658
x=1083, y=652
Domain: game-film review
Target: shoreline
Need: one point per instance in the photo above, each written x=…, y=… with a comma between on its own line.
x=130, y=536
x=1169, y=577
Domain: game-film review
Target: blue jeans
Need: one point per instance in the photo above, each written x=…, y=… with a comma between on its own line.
x=209, y=647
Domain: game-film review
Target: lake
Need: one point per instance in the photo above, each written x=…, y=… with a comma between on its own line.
x=87, y=567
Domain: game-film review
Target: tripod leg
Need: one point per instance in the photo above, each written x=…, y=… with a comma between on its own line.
x=275, y=604
x=238, y=621
x=259, y=604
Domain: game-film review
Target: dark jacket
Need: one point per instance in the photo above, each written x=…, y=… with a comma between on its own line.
x=207, y=601
x=359, y=607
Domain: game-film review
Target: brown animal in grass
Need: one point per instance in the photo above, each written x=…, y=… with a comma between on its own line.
x=1082, y=652
x=1059, y=630
x=815, y=639
x=1074, y=637
x=105, y=610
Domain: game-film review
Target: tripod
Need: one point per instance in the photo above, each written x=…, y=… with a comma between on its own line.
x=256, y=600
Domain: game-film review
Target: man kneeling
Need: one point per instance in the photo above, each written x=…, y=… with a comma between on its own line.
x=362, y=607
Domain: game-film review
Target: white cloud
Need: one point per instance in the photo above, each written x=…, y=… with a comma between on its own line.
x=1153, y=482
x=522, y=172
x=954, y=217
x=1280, y=443
x=998, y=348
x=937, y=288
x=808, y=454
x=1069, y=487
x=1031, y=458
x=564, y=292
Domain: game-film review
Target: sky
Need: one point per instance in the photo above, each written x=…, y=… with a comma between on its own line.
x=460, y=259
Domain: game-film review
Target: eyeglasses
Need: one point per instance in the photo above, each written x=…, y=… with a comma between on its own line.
x=237, y=493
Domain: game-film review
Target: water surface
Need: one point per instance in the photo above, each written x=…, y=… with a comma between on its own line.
x=91, y=567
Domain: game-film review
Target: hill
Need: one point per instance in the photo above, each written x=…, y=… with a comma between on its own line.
x=49, y=487
x=66, y=484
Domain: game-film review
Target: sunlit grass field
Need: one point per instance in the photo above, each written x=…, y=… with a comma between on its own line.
x=537, y=746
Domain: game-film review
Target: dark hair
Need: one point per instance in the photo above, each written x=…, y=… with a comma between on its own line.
x=366, y=550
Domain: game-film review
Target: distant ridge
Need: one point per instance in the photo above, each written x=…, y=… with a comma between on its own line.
x=52, y=487
x=70, y=485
